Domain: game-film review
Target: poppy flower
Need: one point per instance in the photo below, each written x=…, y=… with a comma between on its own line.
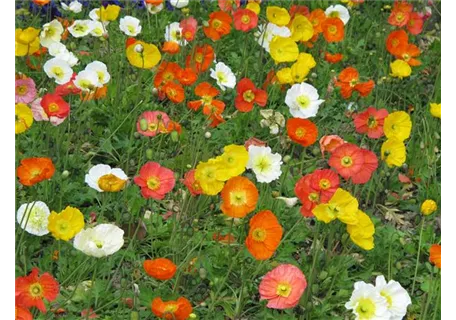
x=301, y=29
x=347, y=160
x=224, y=239
x=393, y=152
x=174, y=92
x=23, y=313
x=264, y=235
x=170, y=47
x=206, y=175
x=330, y=143
x=27, y=41
x=398, y=125
x=161, y=268
x=25, y=90
x=277, y=15
x=219, y=25
x=66, y=224
x=88, y=314
x=308, y=196
x=400, y=14
x=254, y=142
x=155, y=181
x=342, y=206
x=143, y=55
x=317, y=17
x=187, y=76
x=349, y=82
x=248, y=95
x=283, y=287
x=415, y=23
x=369, y=166
x=207, y=93
x=188, y=26
x=326, y=182
x=190, y=182
x=97, y=94
x=55, y=107
x=175, y=310
x=67, y=88
x=333, y=29
x=245, y=20
x=408, y=55
x=201, y=59
x=150, y=123
x=31, y=290
x=229, y=5
x=370, y=121
x=234, y=160
x=283, y=49
x=397, y=42
x=34, y=170
x=167, y=72
x=298, y=9
x=239, y=197
x=24, y=118
x=400, y=69
x=435, y=255
x=333, y=58
x=362, y=233
x=302, y=131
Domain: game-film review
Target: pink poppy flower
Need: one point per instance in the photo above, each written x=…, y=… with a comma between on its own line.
x=155, y=181
x=152, y=122
x=229, y=5
x=188, y=26
x=370, y=121
x=283, y=287
x=25, y=90
x=330, y=143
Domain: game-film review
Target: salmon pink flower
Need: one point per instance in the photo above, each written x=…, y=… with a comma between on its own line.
x=400, y=15
x=254, y=142
x=283, y=287
x=245, y=20
x=326, y=182
x=347, y=160
x=369, y=166
x=67, y=88
x=308, y=196
x=330, y=143
x=188, y=27
x=248, y=95
x=25, y=90
x=370, y=121
x=229, y=5
x=415, y=23
x=152, y=122
x=155, y=181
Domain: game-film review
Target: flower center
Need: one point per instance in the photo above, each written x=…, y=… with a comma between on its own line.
x=283, y=289
x=58, y=72
x=346, y=161
x=238, y=198
x=153, y=183
x=313, y=197
x=131, y=29
x=259, y=234
x=171, y=308
x=387, y=297
x=98, y=243
x=334, y=14
x=263, y=164
x=366, y=308
x=303, y=101
x=199, y=57
x=36, y=291
x=168, y=76
x=111, y=183
x=248, y=96
x=353, y=82
x=395, y=42
x=53, y=107
x=245, y=19
x=62, y=226
x=300, y=132
x=406, y=56
x=372, y=122
x=80, y=28
x=207, y=99
x=400, y=17
x=332, y=29
x=221, y=77
x=324, y=184
x=21, y=90
x=216, y=24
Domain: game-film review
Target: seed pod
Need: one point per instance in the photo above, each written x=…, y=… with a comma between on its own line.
x=207, y=135
x=286, y=158
x=65, y=174
x=143, y=124
x=174, y=136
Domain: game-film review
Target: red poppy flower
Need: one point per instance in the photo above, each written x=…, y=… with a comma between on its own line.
x=23, y=313
x=370, y=121
x=155, y=181
x=215, y=119
x=187, y=76
x=190, y=182
x=302, y=131
x=55, y=106
x=347, y=160
x=369, y=166
x=415, y=23
x=32, y=289
x=189, y=27
x=248, y=95
x=34, y=170
x=167, y=72
x=298, y=9
x=408, y=54
x=207, y=93
x=219, y=25
x=229, y=5
x=333, y=29
x=330, y=143
x=333, y=58
x=67, y=88
x=308, y=196
x=201, y=59
x=174, y=92
x=326, y=182
x=400, y=14
x=245, y=20
x=397, y=42
x=349, y=82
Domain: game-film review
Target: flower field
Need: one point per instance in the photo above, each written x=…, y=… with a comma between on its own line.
x=228, y=159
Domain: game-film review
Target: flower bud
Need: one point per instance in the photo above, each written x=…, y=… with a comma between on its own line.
x=65, y=174
x=206, y=23
x=428, y=207
x=143, y=124
x=149, y=154
x=174, y=136
x=286, y=158
x=207, y=135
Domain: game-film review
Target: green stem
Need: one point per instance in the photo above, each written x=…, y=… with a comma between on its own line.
x=418, y=256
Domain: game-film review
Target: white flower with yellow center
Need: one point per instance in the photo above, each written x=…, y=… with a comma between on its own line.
x=59, y=70
x=102, y=177
x=173, y=32
x=264, y=163
x=80, y=28
x=33, y=218
x=51, y=33
x=266, y=32
x=224, y=76
x=338, y=11
x=87, y=80
x=98, y=30
x=154, y=9
x=130, y=26
x=57, y=48
x=74, y=6
x=367, y=303
x=397, y=297
x=302, y=99
x=179, y=3
x=101, y=70
x=100, y=241
x=59, y=51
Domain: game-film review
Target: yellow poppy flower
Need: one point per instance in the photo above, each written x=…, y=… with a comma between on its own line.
x=253, y=6
x=342, y=206
x=27, y=41
x=435, y=110
x=400, y=69
x=307, y=59
x=393, y=152
x=233, y=160
x=24, y=118
x=299, y=71
x=362, y=232
x=283, y=49
x=284, y=76
x=428, y=207
x=66, y=224
x=277, y=15
x=397, y=125
x=301, y=29
x=110, y=13
x=143, y=55
x=206, y=175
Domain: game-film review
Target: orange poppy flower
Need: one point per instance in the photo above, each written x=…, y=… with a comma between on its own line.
x=219, y=25
x=167, y=72
x=239, y=197
x=248, y=94
x=308, y=196
x=172, y=310
x=187, y=76
x=333, y=29
x=400, y=14
x=317, y=17
x=224, y=239
x=333, y=58
x=435, y=255
x=174, y=92
x=23, y=313
x=415, y=23
x=245, y=20
x=161, y=268
x=397, y=42
x=154, y=2
x=99, y=93
x=215, y=119
x=171, y=47
x=347, y=160
x=207, y=92
x=264, y=236
x=201, y=59
x=302, y=131
x=41, y=2
x=409, y=54
x=370, y=121
x=34, y=170
x=174, y=126
x=330, y=143
x=349, y=82
x=229, y=5
x=32, y=289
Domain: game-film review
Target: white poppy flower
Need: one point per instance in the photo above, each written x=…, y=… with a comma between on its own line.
x=302, y=99
x=266, y=32
x=154, y=9
x=367, y=303
x=264, y=163
x=101, y=70
x=224, y=76
x=69, y=57
x=100, y=241
x=33, y=218
x=396, y=296
x=59, y=70
x=289, y=202
x=173, y=32
x=87, y=80
x=130, y=26
x=98, y=29
x=80, y=28
x=74, y=6
x=338, y=11
x=57, y=48
x=179, y=3
x=51, y=33
x=102, y=177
